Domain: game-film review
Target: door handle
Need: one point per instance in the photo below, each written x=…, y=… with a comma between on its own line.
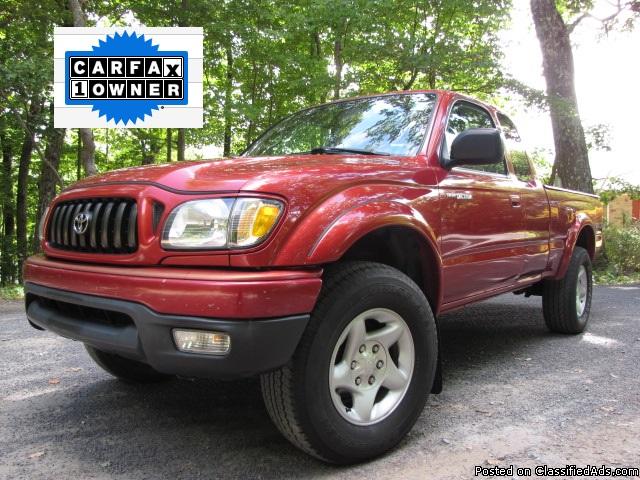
x=515, y=201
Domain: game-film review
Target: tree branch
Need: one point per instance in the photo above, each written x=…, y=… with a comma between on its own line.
x=619, y=6
x=36, y=145
x=571, y=26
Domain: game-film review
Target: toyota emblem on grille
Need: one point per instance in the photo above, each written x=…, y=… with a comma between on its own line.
x=81, y=223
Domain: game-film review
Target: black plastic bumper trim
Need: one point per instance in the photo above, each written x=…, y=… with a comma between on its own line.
x=257, y=345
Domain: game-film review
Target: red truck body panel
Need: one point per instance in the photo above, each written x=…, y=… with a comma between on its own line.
x=570, y=214
x=193, y=292
x=487, y=233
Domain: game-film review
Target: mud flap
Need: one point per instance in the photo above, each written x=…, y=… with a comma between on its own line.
x=437, y=381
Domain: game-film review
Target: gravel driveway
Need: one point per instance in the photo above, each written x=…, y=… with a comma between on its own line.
x=514, y=394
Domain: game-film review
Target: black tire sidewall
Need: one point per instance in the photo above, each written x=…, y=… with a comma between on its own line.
x=375, y=290
x=581, y=258
x=559, y=297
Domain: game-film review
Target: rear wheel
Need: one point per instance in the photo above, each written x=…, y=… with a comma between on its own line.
x=363, y=370
x=125, y=369
x=566, y=303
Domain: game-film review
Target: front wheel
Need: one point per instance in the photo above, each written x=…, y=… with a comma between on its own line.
x=566, y=303
x=363, y=370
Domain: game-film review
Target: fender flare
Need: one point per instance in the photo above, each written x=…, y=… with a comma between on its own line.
x=313, y=243
x=331, y=241
x=380, y=215
x=582, y=222
x=340, y=234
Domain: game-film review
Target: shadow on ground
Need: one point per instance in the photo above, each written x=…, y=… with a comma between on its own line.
x=502, y=369
x=214, y=427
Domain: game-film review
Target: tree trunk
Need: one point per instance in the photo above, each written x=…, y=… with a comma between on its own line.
x=87, y=153
x=228, y=91
x=182, y=22
x=78, y=157
x=169, y=143
x=150, y=151
x=316, y=45
x=181, y=144
x=7, y=269
x=88, y=144
x=431, y=78
x=572, y=158
x=79, y=18
x=48, y=173
x=409, y=83
x=23, y=184
x=337, y=60
x=148, y=159
x=106, y=147
x=252, y=102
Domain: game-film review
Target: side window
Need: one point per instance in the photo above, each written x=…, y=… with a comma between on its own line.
x=517, y=153
x=464, y=116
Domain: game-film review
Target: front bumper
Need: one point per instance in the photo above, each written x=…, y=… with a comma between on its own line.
x=214, y=293
x=131, y=311
x=134, y=331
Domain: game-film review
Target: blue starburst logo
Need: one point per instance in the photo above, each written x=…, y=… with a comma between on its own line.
x=126, y=78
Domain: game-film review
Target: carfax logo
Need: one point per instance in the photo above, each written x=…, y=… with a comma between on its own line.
x=127, y=79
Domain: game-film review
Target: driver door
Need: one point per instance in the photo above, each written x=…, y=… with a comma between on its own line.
x=482, y=218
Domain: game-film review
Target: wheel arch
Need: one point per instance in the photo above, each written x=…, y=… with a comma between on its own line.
x=587, y=240
x=581, y=234
x=405, y=248
x=387, y=231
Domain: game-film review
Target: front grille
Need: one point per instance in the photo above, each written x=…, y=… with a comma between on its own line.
x=109, y=225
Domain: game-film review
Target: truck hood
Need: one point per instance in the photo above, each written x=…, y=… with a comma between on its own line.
x=284, y=175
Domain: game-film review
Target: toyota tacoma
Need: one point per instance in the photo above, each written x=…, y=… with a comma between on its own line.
x=319, y=259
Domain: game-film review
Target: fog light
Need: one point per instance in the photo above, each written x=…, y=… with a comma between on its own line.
x=202, y=341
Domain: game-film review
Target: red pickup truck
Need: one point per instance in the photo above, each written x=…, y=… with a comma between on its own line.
x=319, y=259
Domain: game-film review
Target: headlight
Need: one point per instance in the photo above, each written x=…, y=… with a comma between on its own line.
x=43, y=218
x=251, y=220
x=220, y=223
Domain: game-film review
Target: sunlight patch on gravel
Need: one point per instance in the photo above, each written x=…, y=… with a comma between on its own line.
x=25, y=394
x=598, y=340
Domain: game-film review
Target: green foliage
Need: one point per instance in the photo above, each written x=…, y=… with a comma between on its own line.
x=443, y=44
x=26, y=50
x=14, y=292
x=573, y=7
x=606, y=276
x=284, y=56
x=622, y=249
x=542, y=163
x=620, y=14
x=598, y=137
x=263, y=61
x=532, y=97
x=612, y=187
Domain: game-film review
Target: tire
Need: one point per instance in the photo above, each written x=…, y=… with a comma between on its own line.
x=566, y=303
x=125, y=369
x=317, y=404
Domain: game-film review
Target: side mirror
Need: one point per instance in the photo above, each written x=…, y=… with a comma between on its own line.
x=476, y=146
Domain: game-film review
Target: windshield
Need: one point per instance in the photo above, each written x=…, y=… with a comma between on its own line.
x=391, y=124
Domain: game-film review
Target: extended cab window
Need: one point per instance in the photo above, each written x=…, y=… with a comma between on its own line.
x=462, y=117
x=517, y=153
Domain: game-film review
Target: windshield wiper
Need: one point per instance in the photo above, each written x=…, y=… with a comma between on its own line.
x=337, y=150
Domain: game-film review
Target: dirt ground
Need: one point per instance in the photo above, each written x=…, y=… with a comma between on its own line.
x=514, y=395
